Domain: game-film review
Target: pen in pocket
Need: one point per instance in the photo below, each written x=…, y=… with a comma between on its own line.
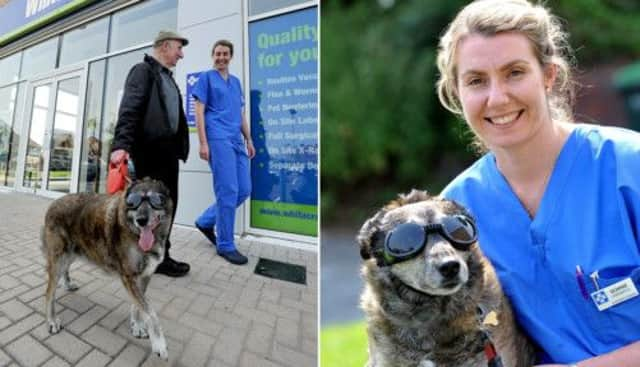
x=580, y=280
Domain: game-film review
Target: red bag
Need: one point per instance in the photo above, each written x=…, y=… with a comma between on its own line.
x=117, y=177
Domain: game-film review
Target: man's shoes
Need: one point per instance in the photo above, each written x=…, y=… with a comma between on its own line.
x=209, y=233
x=234, y=257
x=172, y=268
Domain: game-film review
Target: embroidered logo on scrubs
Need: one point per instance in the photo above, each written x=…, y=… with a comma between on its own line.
x=192, y=80
x=614, y=294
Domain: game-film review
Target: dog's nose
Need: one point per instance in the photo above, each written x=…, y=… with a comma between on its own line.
x=450, y=269
x=142, y=221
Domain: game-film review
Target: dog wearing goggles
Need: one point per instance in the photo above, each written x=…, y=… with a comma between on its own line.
x=123, y=234
x=431, y=299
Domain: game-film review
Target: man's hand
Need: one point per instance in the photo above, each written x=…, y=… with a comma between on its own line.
x=250, y=149
x=119, y=155
x=204, y=152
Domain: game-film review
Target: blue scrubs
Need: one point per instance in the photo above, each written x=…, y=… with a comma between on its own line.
x=589, y=216
x=223, y=101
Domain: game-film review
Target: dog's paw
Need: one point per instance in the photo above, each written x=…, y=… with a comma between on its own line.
x=55, y=326
x=71, y=286
x=159, y=348
x=138, y=330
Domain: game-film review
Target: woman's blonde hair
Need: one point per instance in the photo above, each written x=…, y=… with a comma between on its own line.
x=490, y=17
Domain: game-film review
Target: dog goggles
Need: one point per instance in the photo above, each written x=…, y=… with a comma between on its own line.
x=407, y=240
x=135, y=199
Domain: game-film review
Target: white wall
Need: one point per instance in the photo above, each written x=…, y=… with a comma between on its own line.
x=203, y=22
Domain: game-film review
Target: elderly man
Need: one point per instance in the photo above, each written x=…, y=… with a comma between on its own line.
x=152, y=128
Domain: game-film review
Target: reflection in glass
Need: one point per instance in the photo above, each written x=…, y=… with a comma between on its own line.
x=64, y=127
x=10, y=67
x=40, y=58
x=102, y=115
x=90, y=164
x=7, y=106
x=140, y=24
x=85, y=42
x=34, y=159
x=18, y=122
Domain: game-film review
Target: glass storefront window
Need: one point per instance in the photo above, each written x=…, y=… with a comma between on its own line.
x=10, y=67
x=140, y=24
x=262, y=6
x=7, y=106
x=64, y=131
x=15, y=137
x=85, y=42
x=40, y=58
x=34, y=160
x=102, y=115
x=90, y=163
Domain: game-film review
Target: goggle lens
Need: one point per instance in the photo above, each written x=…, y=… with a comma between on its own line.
x=459, y=230
x=408, y=239
x=135, y=199
x=405, y=239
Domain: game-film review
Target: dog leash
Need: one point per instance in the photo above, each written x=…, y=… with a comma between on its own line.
x=493, y=359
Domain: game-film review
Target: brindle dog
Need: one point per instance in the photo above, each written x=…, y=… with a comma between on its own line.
x=123, y=234
x=443, y=305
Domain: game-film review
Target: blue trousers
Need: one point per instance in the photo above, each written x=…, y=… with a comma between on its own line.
x=231, y=185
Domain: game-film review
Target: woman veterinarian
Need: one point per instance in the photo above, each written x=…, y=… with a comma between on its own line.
x=557, y=203
x=222, y=131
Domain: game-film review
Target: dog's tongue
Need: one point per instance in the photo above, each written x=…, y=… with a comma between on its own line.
x=146, y=238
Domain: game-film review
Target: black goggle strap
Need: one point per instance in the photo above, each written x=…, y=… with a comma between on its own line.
x=377, y=249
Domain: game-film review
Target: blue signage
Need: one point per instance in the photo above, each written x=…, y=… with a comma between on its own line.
x=283, y=76
x=17, y=16
x=190, y=111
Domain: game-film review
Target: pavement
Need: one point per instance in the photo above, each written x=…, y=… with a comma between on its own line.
x=341, y=282
x=219, y=315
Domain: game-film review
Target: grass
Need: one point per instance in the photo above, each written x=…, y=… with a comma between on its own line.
x=343, y=345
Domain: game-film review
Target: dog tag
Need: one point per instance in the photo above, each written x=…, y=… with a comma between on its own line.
x=491, y=319
x=615, y=293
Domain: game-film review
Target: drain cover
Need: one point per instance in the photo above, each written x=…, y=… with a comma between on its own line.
x=283, y=271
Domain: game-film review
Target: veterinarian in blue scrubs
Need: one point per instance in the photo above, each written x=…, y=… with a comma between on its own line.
x=223, y=131
x=557, y=203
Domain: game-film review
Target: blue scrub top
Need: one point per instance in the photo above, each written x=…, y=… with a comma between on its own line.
x=589, y=216
x=223, y=101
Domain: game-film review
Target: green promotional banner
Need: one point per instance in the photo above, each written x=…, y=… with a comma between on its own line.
x=283, y=76
x=284, y=217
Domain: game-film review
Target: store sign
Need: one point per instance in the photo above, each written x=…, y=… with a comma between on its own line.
x=283, y=76
x=21, y=16
x=192, y=79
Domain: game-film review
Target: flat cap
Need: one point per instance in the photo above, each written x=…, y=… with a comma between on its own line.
x=166, y=35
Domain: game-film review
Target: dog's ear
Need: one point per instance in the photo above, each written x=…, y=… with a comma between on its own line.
x=370, y=235
x=414, y=196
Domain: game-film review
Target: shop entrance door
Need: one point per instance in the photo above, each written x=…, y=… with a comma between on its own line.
x=51, y=156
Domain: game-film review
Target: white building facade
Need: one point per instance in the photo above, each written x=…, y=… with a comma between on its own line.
x=62, y=70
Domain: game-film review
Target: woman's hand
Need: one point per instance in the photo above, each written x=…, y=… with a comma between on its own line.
x=251, y=150
x=204, y=152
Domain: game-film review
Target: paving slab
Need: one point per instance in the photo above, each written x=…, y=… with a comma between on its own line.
x=218, y=315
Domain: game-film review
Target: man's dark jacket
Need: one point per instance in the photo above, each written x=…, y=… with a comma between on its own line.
x=143, y=128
